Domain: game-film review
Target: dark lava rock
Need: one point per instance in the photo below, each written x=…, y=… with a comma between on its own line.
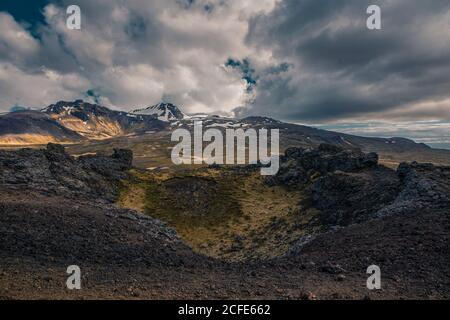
x=300, y=166
x=346, y=198
x=332, y=268
x=370, y=160
x=87, y=233
x=330, y=148
x=349, y=186
x=52, y=171
x=124, y=156
x=56, y=153
x=351, y=197
x=423, y=185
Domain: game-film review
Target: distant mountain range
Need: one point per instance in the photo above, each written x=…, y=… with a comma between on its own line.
x=71, y=122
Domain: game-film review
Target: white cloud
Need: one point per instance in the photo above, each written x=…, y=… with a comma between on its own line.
x=135, y=54
x=16, y=44
x=37, y=89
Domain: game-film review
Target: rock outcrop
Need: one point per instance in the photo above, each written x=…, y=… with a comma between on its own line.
x=53, y=172
x=299, y=166
x=350, y=197
x=351, y=187
x=422, y=186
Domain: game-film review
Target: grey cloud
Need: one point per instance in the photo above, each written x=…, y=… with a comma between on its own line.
x=343, y=70
x=310, y=60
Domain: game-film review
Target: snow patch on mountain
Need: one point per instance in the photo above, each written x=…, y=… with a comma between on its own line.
x=163, y=111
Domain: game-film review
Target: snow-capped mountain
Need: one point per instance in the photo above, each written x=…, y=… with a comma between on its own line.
x=93, y=121
x=164, y=111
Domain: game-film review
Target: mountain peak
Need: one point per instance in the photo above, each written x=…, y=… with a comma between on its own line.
x=72, y=106
x=164, y=111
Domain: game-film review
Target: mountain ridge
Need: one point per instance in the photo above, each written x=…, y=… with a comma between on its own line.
x=97, y=122
x=75, y=122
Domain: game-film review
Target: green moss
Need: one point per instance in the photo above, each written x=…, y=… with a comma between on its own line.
x=211, y=208
x=187, y=202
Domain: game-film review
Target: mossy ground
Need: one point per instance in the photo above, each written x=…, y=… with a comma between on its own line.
x=222, y=213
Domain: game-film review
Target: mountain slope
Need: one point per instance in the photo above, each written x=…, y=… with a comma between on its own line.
x=97, y=122
x=391, y=150
x=69, y=122
x=33, y=127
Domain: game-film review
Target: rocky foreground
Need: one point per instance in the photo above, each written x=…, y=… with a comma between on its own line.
x=56, y=211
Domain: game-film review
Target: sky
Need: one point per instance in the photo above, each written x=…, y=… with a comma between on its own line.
x=304, y=61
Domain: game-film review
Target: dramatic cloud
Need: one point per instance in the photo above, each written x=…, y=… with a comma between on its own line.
x=132, y=54
x=309, y=61
x=342, y=70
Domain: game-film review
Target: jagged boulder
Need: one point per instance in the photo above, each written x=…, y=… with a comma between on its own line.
x=423, y=186
x=111, y=167
x=299, y=166
x=349, y=197
x=56, y=153
x=370, y=160
x=124, y=156
x=349, y=186
x=53, y=171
